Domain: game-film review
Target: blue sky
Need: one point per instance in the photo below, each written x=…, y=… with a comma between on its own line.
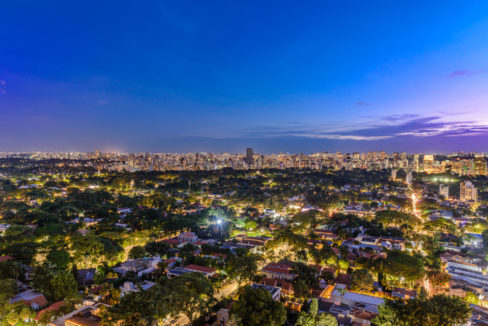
x=224, y=75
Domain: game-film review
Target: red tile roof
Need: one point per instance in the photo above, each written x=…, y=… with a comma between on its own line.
x=199, y=268
x=54, y=306
x=342, y=279
x=5, y=258
x=277, y=268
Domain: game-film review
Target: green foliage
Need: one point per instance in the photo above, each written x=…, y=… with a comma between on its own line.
x=189, y=293
x=250, y=225
x=402, y=264
x=306, y=279
x=56, y=284
x=24, y=251
x=91, y=250
x=157, y=248
x=242, y=268
x=440, y=310
x=255, y=307
x=135, y=308
x=137, y=252
x=395, y=218
x=440, y=225
x=361, y=279
x=470, y=297
x=313, y=318
x=60, y=258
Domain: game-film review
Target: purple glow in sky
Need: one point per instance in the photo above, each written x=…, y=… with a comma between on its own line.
x=288, y=76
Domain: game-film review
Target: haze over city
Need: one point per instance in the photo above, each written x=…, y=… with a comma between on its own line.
x=222, y=76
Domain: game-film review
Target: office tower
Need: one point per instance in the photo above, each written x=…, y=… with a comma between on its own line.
x=409, y=178
x=393, y=174
x=428, y=163
x=249, y=156
x=468, y=192
x=416, y=164
x=444, y=191
x=480, y=164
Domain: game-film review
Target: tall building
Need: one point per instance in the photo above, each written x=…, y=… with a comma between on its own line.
x=416, y=164
x=428, y=163
x=468, y=192
x=409, y=178
x=480, y=164
x=393, y=174
x=249, y=156
x=444, y=191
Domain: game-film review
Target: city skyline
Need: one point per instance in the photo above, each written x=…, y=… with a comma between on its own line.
x=194, y=77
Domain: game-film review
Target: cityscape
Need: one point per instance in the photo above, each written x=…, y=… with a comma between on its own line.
x=243, y=163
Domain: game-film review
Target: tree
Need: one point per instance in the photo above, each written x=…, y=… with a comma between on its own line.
x=402, y=264
x=343, y=264
x=242, y=268
x=189, y=293
x=255, y=307
x=60, y=258
x=306, y=279
x=470, y=297
x=137, y=252
x=187, y=251
x=157, y=248
x=55, y=283
x=135, y=308
x=250, y=225
x=438, y=279
x=313, y=318
x=63, y=285
x=439, y=310
x=361, y=279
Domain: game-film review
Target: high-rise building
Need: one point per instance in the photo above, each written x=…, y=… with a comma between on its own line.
x=249, y=156
x=393, y=174
x=468, y=192
x=428, y=163
x=409, y=178
x=480, y=164
x=444, y=191
x=416, y=164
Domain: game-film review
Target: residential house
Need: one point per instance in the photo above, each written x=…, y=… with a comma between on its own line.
x=282, y=270
x=32, y=298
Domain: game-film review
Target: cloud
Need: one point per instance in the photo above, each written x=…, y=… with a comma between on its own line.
x=459, y=73
x=361, y=103
x=3, y=92
x=102, y=102
x=3, y=82
x=381, y=128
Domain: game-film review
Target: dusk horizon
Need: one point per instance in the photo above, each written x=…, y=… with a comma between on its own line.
x=221, y=77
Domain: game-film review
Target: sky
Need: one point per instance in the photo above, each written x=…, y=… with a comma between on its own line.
x=220, y=76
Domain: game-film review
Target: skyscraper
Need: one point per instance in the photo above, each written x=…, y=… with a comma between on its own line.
x=416, y=163
x=409, y=177
x=480, y=164
x=468, y=192
x=249, y=156
x=428, y=163
x=444, y=191
x=393, y=174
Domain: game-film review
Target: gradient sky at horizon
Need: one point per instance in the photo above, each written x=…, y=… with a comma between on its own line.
x=217, y=76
